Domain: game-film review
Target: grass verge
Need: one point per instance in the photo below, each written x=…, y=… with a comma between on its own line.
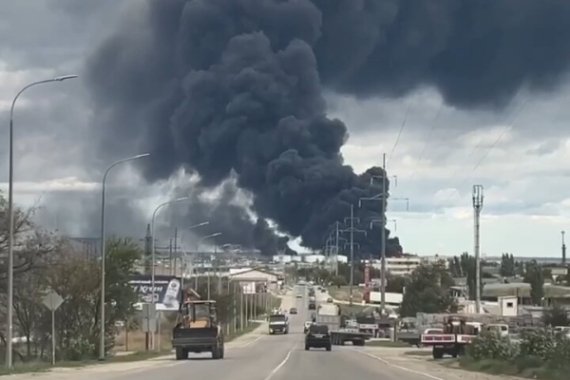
x=523, y=368
x=38, y=366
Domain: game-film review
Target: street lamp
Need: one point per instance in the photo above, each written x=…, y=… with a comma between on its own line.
x=10, y=300
x=103, y=248
x=152, y=239
x=198, y=249
x=184, y=266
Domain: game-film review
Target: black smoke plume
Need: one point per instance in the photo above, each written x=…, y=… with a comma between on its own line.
x=235, y=86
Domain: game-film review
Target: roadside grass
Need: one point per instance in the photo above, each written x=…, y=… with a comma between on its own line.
x=40, y=366
x=523, y=368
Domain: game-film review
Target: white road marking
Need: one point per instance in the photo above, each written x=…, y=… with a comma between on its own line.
x=399, y=367
x=276, y=369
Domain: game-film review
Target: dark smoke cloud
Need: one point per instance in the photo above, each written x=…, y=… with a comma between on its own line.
x=235, y=86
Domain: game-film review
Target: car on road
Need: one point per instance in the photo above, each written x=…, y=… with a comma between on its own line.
x=293, y=310
x=330, y=300
x=318, y=336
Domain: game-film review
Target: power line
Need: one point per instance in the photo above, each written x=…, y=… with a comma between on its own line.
x=427, y=138
x=400, y=132
x=514, y=118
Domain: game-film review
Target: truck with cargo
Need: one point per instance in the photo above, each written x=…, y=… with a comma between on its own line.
x=197, y=330
x=329, y=315
x=456, y=335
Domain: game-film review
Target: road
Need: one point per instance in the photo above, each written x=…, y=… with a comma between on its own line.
x=258, y=356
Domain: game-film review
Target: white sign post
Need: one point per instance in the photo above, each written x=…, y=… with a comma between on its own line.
x=52, y=301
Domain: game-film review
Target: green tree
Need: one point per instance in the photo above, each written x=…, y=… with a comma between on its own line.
x=78, y=281
x=556, y=316
x=468, y=264
x=428, y=291
x=338, y=281
x=396, y=284
x=535, y=277
x=507, y=265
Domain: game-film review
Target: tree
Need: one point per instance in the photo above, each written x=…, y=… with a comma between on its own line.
x=507, y=265
x=428, y=292
x=338, y=281
x=31, y=247
x=535, y=277
x=396, y=284
x=556, y=316
x=469, y=267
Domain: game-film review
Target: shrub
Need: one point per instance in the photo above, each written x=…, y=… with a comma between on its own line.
x=492, y=346
x=540, y=343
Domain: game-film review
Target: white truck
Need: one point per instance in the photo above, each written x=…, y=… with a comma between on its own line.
x=278, y=323
x=456, y=335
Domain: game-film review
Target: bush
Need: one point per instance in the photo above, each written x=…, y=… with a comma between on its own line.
x=492, y=346
x=540, y=354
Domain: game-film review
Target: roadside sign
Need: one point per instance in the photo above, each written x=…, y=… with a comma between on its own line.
x=149, y=322
x=52, y=300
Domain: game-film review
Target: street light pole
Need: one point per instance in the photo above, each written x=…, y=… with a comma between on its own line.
x=153, y=254
x=197, y=248
x=184, y=263
x=10, y=301
x=103, y=251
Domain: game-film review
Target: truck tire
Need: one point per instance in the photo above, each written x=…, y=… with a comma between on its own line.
x=437, y=353
x=181, y=354
x=307, y=348
x=217, y=352
x=329, y=347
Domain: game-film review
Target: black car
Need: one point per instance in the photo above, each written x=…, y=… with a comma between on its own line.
x=318, y=336
x=293, y=310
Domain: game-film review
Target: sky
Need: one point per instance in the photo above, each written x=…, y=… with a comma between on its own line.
x=437, y=151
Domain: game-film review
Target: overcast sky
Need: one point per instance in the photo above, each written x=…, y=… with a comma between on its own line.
x=520, y=155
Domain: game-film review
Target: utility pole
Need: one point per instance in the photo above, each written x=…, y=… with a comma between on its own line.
x=147, y=250
x=383, y=239
x=351, y=252
x=352, y=230
x=170, y=257
x=563, y=249
x=477, y=206
x=175, y=249
x=336, y=251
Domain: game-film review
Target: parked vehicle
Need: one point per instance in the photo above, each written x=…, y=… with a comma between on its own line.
x=457, y=334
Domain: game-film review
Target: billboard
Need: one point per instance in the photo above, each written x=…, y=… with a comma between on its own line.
x=167, y=290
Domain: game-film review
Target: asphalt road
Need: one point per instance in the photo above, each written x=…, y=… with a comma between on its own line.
x=259, y=357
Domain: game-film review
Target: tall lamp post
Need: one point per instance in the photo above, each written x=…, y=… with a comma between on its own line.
x=10, y=311
x=184, y=266
x=198, y=249
x=103, y=250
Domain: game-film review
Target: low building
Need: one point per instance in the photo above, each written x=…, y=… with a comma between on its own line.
x=251, y=278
